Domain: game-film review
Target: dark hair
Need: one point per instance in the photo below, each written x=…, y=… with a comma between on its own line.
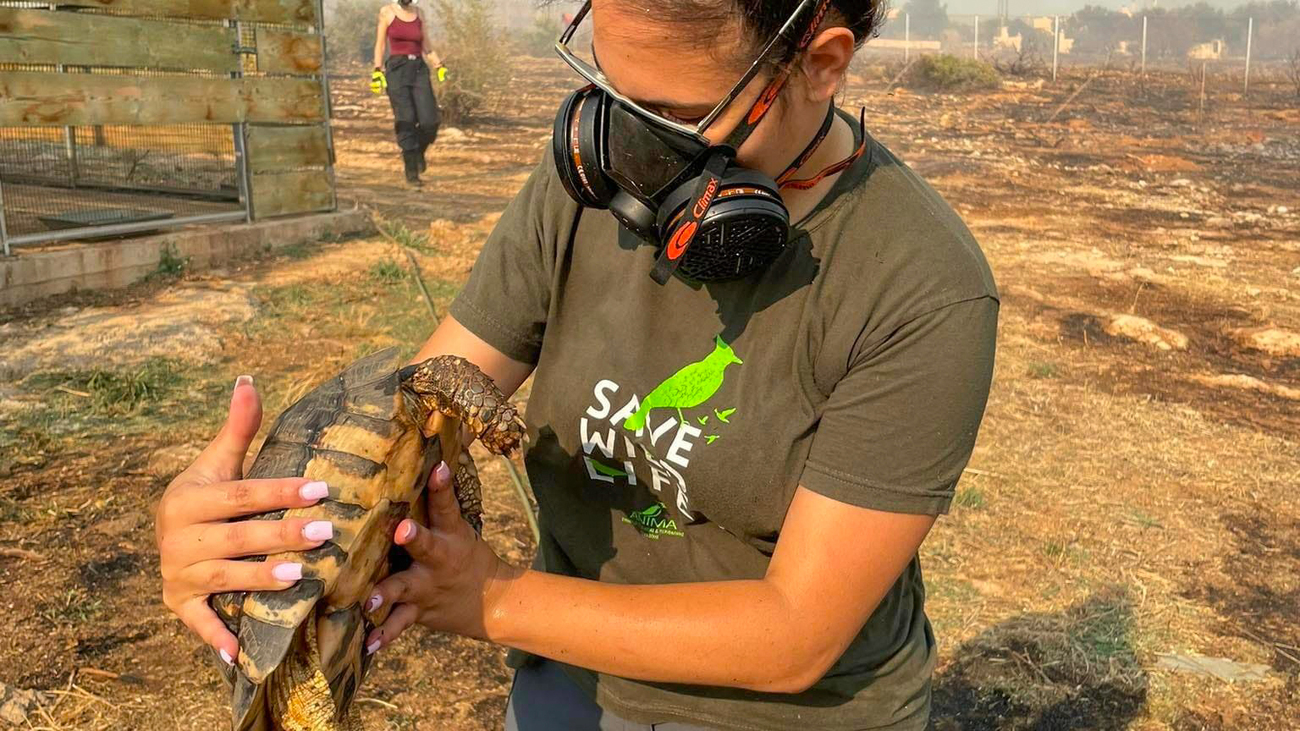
x=762, y=19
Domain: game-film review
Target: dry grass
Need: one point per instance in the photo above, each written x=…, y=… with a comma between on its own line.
x=1107, y=513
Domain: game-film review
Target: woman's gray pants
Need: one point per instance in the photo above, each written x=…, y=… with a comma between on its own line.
x=545, y=699
x=415, y=108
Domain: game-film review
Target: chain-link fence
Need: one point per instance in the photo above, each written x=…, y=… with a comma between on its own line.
x=1240, y=42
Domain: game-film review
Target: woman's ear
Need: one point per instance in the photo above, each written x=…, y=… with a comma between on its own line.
x=826, y=61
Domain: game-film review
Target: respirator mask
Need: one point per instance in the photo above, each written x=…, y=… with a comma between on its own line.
x=710, y=218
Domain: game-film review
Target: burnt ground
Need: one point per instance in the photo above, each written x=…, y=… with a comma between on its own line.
x=1132, y=494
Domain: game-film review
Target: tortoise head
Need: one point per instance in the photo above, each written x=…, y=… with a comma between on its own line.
x=454, y=387
x=429, y=393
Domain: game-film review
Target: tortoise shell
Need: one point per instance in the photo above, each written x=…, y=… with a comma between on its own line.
x=360, y=432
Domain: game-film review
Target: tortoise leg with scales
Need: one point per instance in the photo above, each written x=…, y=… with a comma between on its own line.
x=373, y=433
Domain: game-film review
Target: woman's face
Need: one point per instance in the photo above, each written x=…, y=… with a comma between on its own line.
x=679, y=77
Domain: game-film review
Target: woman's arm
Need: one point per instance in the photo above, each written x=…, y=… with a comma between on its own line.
x=381, y=35
x=453, y=338
x=833, y=565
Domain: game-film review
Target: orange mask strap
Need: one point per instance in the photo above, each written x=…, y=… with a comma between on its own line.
x=785, y=181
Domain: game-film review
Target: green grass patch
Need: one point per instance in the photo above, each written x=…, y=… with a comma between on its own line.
x=13, y=512
x=113, y=392
x=27, y=439
x=74, y=606
x=300, y=250
x=398, y=232
x=1044, y=370
x=950, y=589
x=970, y=498
x=1142, y=520
x=158, y=396
x=387, y=271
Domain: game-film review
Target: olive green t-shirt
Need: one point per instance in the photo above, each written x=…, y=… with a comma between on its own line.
x=670, y=425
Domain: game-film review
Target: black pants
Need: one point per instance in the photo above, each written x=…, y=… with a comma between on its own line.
x=415, y=108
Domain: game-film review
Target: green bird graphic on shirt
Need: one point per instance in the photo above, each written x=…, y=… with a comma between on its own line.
x=689, y=387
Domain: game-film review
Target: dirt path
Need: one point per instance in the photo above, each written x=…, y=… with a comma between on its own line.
x=1132, y=495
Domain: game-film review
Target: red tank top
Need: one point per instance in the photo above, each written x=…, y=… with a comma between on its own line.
x=405, y=37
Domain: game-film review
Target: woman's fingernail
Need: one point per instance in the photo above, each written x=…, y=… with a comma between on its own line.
x=314, y=491
x=287, y=572
x=372, y=647
x=374, y=603
x=225, y=656
x=409, y=533
x=444, y=472
x=243, y=381
x=318, y=530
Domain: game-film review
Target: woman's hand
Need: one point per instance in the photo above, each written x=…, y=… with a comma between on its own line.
x=197, y=542
x=455, y=579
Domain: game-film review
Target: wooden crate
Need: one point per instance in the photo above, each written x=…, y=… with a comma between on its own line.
x=180, y=62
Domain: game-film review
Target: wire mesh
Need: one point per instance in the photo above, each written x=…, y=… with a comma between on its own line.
x=57, y=178
x=78, y=178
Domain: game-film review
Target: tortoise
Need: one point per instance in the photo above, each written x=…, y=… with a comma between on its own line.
x=373, y=433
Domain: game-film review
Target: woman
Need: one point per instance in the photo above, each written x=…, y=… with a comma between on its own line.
x=404, y=32
x=734, y=473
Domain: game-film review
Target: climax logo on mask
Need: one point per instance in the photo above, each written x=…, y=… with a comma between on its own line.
x=677, y=246
x=702, y=205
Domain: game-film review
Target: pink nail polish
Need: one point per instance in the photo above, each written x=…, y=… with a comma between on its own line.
x=410, y=530
x=318, y=530
x=314, y=491
x=287, y=572
x=243, y=381
x=444, y=472
x=372, y=647
x=225, y=656
x=374, y=603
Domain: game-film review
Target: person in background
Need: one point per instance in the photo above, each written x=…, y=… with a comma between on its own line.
x=405, y=74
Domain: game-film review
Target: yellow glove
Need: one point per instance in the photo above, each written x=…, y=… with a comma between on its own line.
x=378, y=82
x=442, y=73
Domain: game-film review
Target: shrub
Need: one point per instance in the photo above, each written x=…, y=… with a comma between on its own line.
x=1027, y=61
x=950, y=73
x=171, y=265
x=477, y=65
x=539, y=40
